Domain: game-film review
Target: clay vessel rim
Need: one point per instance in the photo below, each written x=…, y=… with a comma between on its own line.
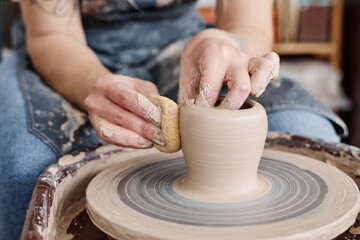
x=216, y=111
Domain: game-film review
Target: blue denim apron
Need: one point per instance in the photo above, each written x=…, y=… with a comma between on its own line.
x=144, y=49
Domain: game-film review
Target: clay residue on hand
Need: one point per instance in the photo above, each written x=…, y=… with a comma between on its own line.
x=149, y=110
x=227, y=103
x=157, y=136
x=183, y=93
x=191, y=88
x=196, y=78
x=143, y=142
x=205, y=90
x=258, y=94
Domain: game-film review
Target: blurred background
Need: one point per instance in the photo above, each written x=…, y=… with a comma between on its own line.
x=318, y=41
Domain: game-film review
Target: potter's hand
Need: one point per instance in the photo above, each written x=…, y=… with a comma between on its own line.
x=121, y=113
x=213, y=57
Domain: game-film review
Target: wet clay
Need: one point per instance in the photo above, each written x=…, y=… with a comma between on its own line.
x=48, y=203
x=136, y=201
x=222, y=149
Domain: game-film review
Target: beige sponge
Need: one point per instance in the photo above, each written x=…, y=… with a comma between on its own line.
x=169, y=124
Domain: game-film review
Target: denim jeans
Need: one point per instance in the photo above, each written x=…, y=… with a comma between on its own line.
x=23, y=155
x=37, y=126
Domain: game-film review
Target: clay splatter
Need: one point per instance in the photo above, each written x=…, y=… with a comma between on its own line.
x=75, y=119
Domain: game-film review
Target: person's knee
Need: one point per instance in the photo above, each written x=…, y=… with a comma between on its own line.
x=22, y=161
x=23, y=155
x=303, y=123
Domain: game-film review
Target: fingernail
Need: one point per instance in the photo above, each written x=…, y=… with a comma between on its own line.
x=106, y=133
x=149, y=110
x=227, y=104
x=156, y=116
x=201, y=102
x=145, y=142
x=258, y=94
x=205, y=90
x=158, y=139
x=154, y=94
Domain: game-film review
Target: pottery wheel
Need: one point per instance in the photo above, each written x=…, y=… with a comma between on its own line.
x=307, y=199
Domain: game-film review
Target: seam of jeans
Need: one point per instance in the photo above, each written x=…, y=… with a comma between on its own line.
x=29, y=110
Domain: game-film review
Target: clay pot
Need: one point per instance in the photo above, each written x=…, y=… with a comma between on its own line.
x=222, y=150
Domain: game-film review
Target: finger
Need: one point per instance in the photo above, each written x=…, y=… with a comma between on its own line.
x=118, y=135
x=239, y=87
x=122, y=117
x=148, y=89
x=260, y=70
x=189, y=80
x=211, y=81
x=275, y=59
x=135, y=103
x=263, y=70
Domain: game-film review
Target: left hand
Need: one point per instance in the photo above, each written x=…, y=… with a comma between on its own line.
x=212, y=58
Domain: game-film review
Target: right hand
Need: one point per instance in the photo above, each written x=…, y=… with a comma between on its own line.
x=212, y=58
x=121, y=114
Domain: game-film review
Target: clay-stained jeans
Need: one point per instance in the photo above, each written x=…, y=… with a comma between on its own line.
x=37, y=126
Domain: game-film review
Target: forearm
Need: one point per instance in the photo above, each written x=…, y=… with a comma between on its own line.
x=66, y=65
x=254, y=42
x=250, y=23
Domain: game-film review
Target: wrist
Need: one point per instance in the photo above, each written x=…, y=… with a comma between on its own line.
x=92, y=77
x=97, y=73
x=253, y=41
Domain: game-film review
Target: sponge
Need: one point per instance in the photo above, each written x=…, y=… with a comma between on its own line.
x=169, y=124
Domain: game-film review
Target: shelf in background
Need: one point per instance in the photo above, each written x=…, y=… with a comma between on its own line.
x=331, y=50
x=304, y=48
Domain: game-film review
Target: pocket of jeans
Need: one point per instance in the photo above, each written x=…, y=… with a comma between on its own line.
x=50, y=117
